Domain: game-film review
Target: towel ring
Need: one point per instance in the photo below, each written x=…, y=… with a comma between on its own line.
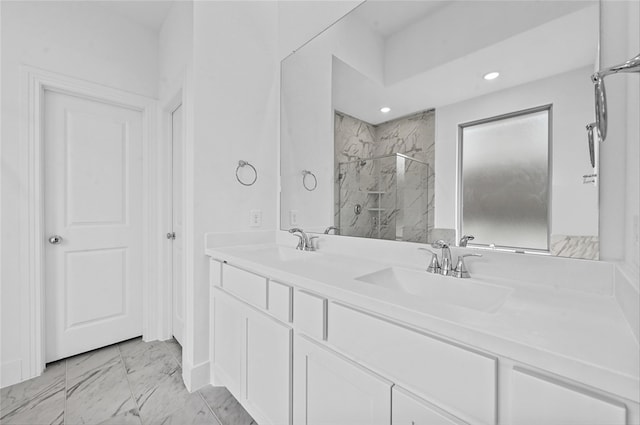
x=241, y=164
x=306, y=173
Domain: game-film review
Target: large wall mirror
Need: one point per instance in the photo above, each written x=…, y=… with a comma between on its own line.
x=425, y=120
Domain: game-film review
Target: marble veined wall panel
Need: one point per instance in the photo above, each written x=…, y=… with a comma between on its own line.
x=373, y=184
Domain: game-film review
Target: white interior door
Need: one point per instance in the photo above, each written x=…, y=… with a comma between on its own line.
x=178, y=239
x=93, y=220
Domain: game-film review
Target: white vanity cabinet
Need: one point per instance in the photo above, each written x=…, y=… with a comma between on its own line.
x=296, y=356
x=268, y=369
x=310, y=314
x=229, y=327
x=539, y=400
x=332, y=390
x=251, y=352
x=410, y=410
x=248, y=286
x=459, y=379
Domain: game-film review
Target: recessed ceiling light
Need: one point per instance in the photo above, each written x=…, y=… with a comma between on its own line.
x=491, y=75
x=385, y=109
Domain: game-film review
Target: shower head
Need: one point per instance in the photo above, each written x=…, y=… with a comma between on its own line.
x=632, y=65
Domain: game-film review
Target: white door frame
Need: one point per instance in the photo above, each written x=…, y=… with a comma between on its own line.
x=166, y=205
x=34, y=82
x=181, y=92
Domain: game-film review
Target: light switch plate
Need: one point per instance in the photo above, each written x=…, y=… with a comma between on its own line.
x=255, y=218
x=293, y=217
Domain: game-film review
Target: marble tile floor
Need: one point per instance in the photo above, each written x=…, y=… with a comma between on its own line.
x=130, y=383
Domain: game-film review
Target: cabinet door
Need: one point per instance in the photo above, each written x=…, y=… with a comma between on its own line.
x=539, y=400
x=229, y=322
x=331, y=390
x=407, y=409
x=457, y=379
x=269, y=369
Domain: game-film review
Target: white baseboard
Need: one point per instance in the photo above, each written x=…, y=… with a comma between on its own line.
x=10, y=373
x=196, y=377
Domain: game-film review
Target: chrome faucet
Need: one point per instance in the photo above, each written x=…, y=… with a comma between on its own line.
x=330, y=228
x=304, y=242
x=464, y=240
x=445, y=264
x=461, y=268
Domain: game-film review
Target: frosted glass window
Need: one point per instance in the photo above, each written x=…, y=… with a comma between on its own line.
x=505, y=180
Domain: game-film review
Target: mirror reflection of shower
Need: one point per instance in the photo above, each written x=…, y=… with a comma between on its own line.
x=390, y=194
x=396, y=200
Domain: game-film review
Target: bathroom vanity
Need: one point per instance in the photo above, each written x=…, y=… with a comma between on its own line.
x=390, y=138
x=327, y=338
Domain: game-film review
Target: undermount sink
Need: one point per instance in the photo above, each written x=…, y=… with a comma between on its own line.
x=467, y=293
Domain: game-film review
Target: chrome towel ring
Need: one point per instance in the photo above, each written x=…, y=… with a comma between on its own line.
x=307, y=186
x=241, y=164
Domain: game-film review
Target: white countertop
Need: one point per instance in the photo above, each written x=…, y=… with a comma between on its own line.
x=576, y=334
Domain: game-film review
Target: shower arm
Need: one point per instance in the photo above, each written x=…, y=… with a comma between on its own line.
x=632, y=65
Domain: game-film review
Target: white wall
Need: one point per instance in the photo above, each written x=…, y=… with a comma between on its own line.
x=614, y=208
x=619, y=153
x=175, y=48
x=632, y=219
x=111, y=51
x=235, y=86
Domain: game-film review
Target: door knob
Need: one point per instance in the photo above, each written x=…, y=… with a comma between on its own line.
x=171, y=235
x=55, y=239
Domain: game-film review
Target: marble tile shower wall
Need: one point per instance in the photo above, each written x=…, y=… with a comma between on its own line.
x=372, y=184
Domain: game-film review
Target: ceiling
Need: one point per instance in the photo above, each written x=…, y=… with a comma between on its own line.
x=557, y=46
x=386, y=18
x=147, y=13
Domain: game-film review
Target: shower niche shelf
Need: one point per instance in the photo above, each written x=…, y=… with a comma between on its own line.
x=377, y=196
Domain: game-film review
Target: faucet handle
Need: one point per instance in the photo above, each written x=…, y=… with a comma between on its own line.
x=461, y=268
x=440, y=243
x=311, y=246
x=434, y=266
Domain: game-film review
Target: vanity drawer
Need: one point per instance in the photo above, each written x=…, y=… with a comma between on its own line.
x=215, y=272
x=249, y=286
x=407, y=409
x=454, y=378
x=310, y=314
x=279, y=301
x=539, y=400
